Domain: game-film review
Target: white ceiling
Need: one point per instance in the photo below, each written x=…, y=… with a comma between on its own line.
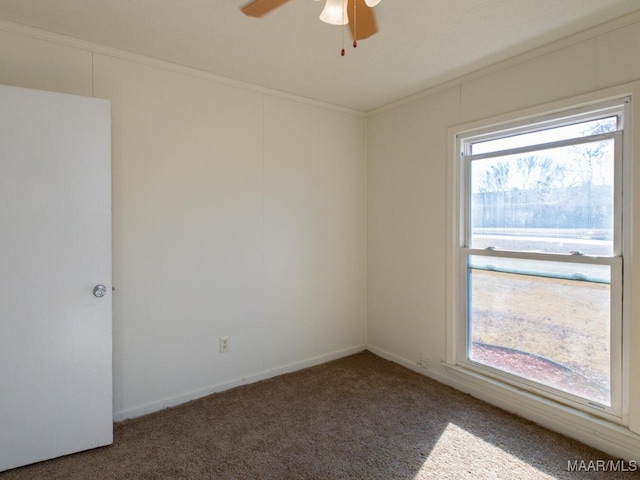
x=420, y=43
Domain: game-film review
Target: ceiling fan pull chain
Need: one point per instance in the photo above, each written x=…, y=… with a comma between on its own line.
x=355, y=25
x=342, y=52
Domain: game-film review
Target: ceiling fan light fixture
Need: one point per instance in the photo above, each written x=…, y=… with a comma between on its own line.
x=335, y=12
x=371, y=3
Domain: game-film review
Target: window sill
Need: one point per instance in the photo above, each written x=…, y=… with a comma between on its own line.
x=607, y=435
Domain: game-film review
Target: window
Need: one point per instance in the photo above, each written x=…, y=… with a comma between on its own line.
x=541, y=255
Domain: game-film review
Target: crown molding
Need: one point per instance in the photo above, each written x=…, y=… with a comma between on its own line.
x=99, y=49
x=565, y=42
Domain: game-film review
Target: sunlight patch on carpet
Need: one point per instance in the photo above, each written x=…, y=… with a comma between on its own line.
x=462, y=455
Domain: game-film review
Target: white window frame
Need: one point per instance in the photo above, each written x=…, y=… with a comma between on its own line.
x=457, y=347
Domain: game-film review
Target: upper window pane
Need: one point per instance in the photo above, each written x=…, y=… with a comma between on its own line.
x=583, y=129
x=553, y=201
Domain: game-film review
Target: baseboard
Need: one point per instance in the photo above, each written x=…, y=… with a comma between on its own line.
x=396, y=359
x=605, y=436
x=273, y=372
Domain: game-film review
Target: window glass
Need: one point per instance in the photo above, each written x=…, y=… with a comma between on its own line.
x=583, y=129
x=555, y=201
x=554, y=331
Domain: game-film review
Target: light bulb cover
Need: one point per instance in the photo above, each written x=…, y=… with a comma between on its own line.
x=371, y=3
x=335, y=12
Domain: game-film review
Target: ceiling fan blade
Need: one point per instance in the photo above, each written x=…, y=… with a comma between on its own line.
x=364, y=25
x=258, y=8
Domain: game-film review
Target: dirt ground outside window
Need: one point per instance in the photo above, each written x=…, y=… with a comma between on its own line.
x=553, y=331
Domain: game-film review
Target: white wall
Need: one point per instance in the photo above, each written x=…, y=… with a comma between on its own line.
x=407, y=198
x=406, y=225
x=235, y=213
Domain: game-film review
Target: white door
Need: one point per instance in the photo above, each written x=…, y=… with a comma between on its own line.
x=55, y=247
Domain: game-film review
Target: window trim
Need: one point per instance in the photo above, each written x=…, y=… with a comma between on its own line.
x=559, y=113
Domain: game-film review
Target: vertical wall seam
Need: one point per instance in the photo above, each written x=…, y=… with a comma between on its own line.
x=366, y=230
x=93, y=75
x=264, y=234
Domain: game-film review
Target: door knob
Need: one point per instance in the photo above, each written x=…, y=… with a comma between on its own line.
x=100, y=291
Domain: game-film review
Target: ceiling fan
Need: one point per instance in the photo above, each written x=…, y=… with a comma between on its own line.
x=357, y=13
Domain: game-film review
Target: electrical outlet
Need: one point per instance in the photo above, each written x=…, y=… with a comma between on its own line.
x=224, y=344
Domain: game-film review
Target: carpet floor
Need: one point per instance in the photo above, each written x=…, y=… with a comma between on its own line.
x=360, y=417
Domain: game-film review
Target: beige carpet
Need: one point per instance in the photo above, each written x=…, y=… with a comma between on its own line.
x=360, y=417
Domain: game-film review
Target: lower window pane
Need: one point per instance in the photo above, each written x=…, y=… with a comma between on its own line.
x=554, y=331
